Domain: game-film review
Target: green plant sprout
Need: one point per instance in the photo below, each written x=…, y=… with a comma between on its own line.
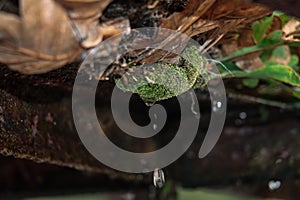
x=281, y=63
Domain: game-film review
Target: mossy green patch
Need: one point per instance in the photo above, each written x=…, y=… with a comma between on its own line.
x=159, y=81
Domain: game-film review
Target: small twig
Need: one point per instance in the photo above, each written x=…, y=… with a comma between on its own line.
x=252, y=99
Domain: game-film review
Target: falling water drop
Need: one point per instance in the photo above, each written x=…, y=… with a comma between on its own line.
x=243, y=115
x=158, y=178
x=149, y=104
x=274, y=185
x=217, y=106
x=193, y=105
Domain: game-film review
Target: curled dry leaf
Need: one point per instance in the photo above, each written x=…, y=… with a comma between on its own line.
x=212, y=20
x=40, y=40
x=85, y=19
x=201, y=16
x=46, y=34
x=290, y=31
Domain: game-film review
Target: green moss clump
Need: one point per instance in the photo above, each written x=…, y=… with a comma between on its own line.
x=161, y=81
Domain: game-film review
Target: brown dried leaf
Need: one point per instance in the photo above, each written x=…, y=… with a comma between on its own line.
x=85, y=17
x=211, y=20
x=275, y=25
x=215, y=18
x=51, y=33
x=290, y=30
x=236, y=9
x=194, y=10
x=40, y=40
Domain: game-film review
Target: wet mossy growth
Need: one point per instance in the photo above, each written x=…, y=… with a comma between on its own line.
x=155, y=82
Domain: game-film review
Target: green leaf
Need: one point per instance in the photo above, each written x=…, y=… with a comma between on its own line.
x=271, y=40
x=282, y=73
x=260, y=27
x=242, y=52
x=294, y=44
x=280, y=52
x=296, y=94
x=228, y=66
x=294, y=60
x=281, y=55
x=274, y=38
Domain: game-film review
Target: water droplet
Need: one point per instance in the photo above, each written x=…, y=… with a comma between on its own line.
x=193, y=105
x=217, y=106
x=155, y=116
x=243, y=115
x=149, y=104
x=154, y=127
x=90, y=77
x=274, y=185
x=158, y=178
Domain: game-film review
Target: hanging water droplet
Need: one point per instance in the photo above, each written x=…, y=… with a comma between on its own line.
x=154, y=127
x=274, y=185
x=149, y=104
x=217, y=106
x=158, y=178
x=193, y=105
x=90, y=77
x=243, y=115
